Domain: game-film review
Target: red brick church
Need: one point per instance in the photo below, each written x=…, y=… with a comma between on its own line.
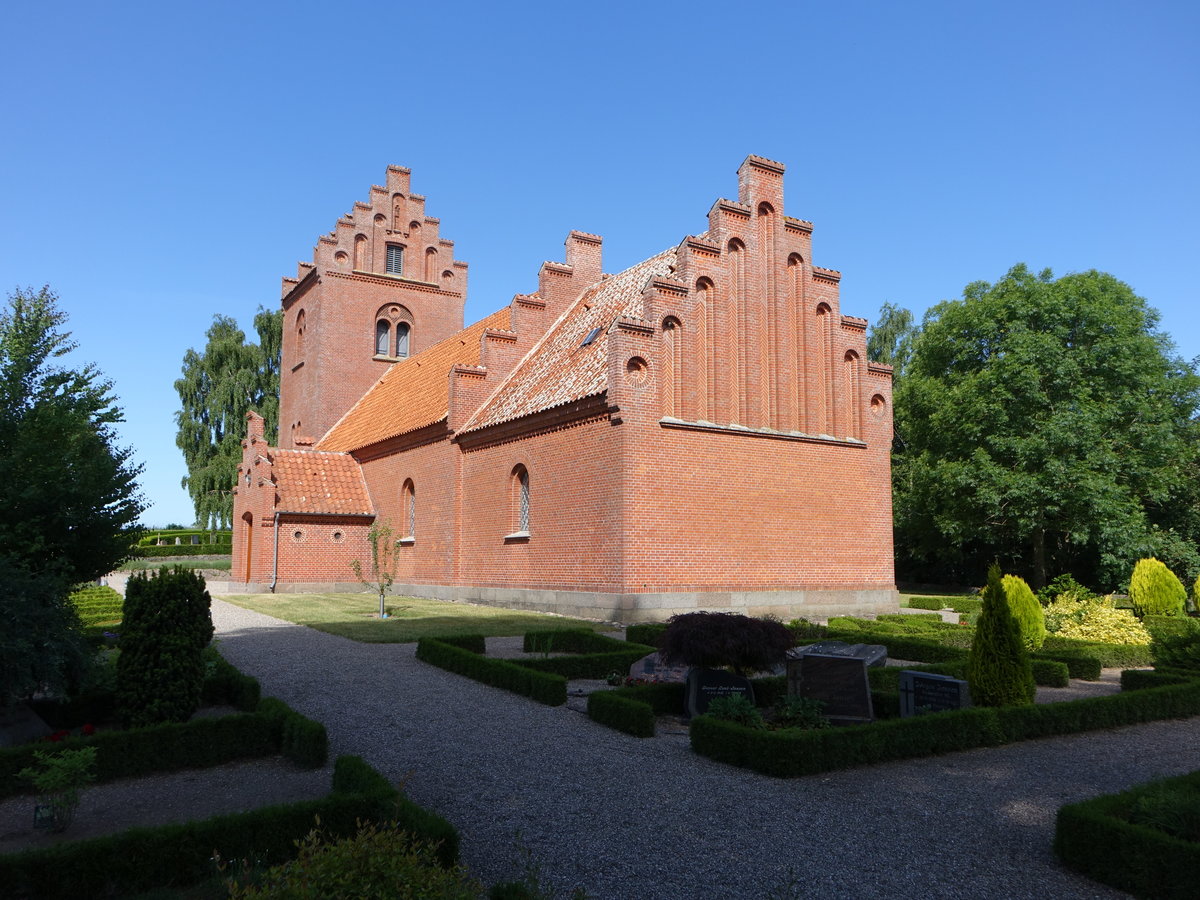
x=700, y=431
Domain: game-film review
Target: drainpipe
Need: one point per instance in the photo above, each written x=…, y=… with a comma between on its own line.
x=275, y=560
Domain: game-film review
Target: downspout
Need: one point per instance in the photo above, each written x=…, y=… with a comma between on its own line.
x=275, y=555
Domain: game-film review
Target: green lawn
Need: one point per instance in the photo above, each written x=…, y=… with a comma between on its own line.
x=410, y=618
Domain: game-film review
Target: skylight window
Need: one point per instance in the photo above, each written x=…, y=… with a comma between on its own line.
x=591, y=336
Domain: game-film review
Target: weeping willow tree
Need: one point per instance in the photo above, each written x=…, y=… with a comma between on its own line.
x=218, y=387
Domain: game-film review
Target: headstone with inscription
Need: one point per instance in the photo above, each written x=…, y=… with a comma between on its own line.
x=706, y=685
x=838, y=682
x=652, y=668
x=923, y=692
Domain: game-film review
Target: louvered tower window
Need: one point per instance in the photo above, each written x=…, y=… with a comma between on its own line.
x=395, y=259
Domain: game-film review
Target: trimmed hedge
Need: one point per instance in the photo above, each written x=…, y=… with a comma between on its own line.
x=648, y=633
x=901, y=646
x=1111, y=656
x=544, y=687
x=142, y=859
x=622, y=712
x=1094, y=837
x=958, y=604
x=273, y=727
x=596, y=655
x=1140, y=679
x=180, y=550
x=792, y=753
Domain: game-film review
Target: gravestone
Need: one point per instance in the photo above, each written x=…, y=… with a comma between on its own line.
x=872, y=654
x=19, y=725
x=923, y=692
x=838, y=682
x=706, y=685
x=651, y=668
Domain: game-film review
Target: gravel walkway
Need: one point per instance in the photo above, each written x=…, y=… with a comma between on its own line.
x=629, y=818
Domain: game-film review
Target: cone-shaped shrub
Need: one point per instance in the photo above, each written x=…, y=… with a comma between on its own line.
x=1026, y=610
x=1155, y=591
x=712, y=640
x=167, y=625
x=998, y=669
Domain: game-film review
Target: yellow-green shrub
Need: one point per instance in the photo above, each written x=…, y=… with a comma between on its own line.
x=1095, y=620
x=1155, y=591
x=1026, y=610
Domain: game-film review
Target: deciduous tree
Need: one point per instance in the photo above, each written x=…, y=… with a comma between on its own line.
x=218, y=387
x=1047, y=422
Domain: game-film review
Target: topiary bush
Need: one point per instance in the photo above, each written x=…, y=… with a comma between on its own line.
x=1176, y=643
x=167, y=625
x=712, y=640
x=998, y=669
x=1026, y=611
x=1063, y=585
x=1095, y=620
x=1155, y=591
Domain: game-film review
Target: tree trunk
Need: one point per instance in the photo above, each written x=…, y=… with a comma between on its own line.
x=1039, y=559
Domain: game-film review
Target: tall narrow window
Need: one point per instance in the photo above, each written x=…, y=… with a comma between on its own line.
x=383, y=334
x=521, y=498
x=431, y=266
x=299, y=342
x=853, y=399
x=402, y=333
x=395, y=259
x=410, y=508
x=360, y=252
x=672, y=367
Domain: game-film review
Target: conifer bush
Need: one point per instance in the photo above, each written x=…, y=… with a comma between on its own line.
x=1026, y=610
x=1155, y=591
x=167, y=625
x=998, y=667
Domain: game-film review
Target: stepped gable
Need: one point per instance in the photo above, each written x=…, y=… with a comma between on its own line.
x=412, y=393
x=308, y=481
x=559, y=370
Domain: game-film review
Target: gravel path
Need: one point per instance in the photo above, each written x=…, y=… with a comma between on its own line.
x=629, y=818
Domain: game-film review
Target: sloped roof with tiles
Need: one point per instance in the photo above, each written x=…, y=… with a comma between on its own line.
x=560, y=369
x=412, y=393
x=309, y=481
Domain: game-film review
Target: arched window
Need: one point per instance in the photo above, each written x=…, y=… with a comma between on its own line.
x=705, y=353
x=298, y=344
x=824, y=417
x=397, y=212
x=431, y=266
x=360, y=252
x=393, y=319
x=853, y=400
x=520, y=487
x=383, y=336
x=672, y=367
x=409, y=493
x=402, y=333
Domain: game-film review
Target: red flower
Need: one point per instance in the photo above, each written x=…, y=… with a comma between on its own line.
x=88, y=730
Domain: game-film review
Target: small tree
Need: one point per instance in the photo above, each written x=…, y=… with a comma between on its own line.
x=1026, y=610
x=1155, y=591
x=998, y=668
x=167, y=625
x=383, y=562
x=712, y=639
x=59, y=779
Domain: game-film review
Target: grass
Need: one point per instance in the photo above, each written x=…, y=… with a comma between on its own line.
x=409, y=618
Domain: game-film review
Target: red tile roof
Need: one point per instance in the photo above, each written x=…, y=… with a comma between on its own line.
x=309, y=481
x=558, y=369
x=412, y=393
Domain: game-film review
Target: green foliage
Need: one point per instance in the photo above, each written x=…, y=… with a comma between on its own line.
x=1094, y=620
x=544, y=687
x=647, y=633
x=800, y=712
x=1176, y=644
x=958, y=604
x=379, y=861
x=998, y=668
x=1134, y=841
x=1045, y=421
x=167, y=625
x=59, y=779
x=218, y=387
x=68, y=494
x=1026, y=611
x=736, y=708
x=794, y=753
x=1155, y=591
x=618, y=710
x=713, y=640
x=1064, y=586
x=384, y=557
x=890, y=339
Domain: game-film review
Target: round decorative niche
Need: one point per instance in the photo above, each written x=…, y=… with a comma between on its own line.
x=380, y=219
x=297, y=535
x=878, y=406
x=637, y=370
x=341, y=257
x=338, y=537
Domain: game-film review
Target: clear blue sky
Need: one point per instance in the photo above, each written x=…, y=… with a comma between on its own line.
x=165, y=162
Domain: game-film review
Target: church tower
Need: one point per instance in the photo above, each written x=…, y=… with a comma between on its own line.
x=382, y=286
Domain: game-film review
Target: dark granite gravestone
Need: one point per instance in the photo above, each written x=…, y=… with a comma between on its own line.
x=706, y=685
x=872, y=654
x=838, y=682
x=651, y=668
x=922, y=692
